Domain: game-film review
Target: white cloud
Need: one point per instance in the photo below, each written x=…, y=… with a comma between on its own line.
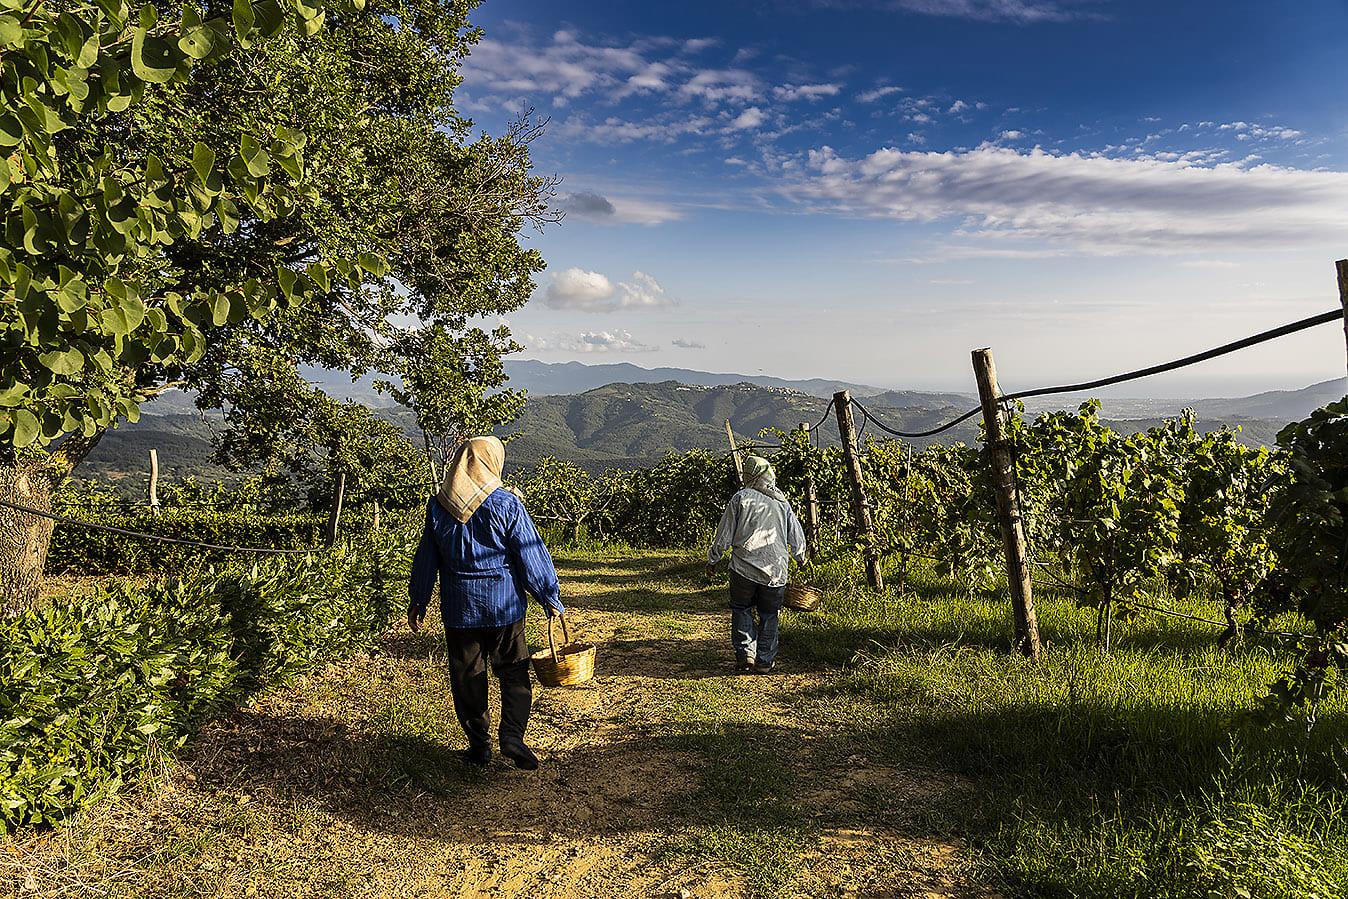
x=1021, y=11
x=1012, y=135
x=686, y=344
x=616, y=130
x=1084, y=203
x=586, y=291
x=593, y=207
x=957, y=107
x=805, y=91
x=619, y=341
x=576, y=288
x=750, y=118
x=642, y=290
x=722, y=86
x=1250, y=130
x=880, y=92
x=565, y=67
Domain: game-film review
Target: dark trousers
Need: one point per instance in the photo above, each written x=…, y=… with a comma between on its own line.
x=469, y=650
x=754, y=640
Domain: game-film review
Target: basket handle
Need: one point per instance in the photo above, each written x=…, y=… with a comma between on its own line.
x=566, y=635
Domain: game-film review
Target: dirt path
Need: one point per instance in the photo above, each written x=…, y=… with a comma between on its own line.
x=665, y=776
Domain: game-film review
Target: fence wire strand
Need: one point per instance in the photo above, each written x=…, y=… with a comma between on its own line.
x=65, y=519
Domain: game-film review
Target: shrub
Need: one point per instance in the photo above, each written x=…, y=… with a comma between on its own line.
x=91, y=689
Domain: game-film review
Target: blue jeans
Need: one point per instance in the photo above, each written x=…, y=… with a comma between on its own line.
x=754, y=640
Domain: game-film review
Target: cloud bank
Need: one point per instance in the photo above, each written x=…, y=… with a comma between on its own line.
x=1087, y=203
x=619, y=341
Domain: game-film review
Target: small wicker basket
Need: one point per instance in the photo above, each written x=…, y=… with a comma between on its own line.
x=564, y=666
x=802, y=596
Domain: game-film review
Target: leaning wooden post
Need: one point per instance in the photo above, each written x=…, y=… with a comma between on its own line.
x=861, y=510
x=735, y=454
x=1008, y=507
x=811, y=502
x=1342, y=266
x=154, y=482
x=336, y=514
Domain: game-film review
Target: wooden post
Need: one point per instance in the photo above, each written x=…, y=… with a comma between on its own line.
x=861, y=510
x=378, y=508
x=1342, y=266
x=907, y=519
x=735, y=453
x=811, y=504
x=1008, y=507
x=334, y=517
x=154, y=482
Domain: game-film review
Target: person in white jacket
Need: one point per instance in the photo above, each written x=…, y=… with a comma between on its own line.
x=762, y=533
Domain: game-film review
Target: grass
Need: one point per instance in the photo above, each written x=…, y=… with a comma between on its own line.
x=1138, y=772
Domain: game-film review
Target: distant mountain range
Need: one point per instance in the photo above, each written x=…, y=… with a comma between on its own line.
x=635, y=423
x=553, y=378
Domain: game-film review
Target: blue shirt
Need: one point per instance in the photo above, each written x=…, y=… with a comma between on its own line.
x=484, y=566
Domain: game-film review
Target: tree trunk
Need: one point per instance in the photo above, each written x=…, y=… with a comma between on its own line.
x=24, y=537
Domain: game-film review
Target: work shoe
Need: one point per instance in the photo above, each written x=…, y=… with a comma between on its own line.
x=520, y=754
x=744, y=666
x=478, y=755
x=760, y=668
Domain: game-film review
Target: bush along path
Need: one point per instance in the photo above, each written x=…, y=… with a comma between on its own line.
x=665, y=776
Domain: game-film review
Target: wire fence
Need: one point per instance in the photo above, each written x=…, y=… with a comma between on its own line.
x=65, y=519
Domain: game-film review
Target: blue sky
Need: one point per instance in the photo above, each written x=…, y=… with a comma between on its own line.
x=868, y=189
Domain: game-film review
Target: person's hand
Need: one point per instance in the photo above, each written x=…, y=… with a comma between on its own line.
x=414, y=618
x=553, y=611
x=710, y=571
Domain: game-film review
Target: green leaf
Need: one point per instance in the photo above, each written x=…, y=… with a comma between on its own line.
x=256, y=158
x=11, y=32
x=11, y=131
x=198, y=42
x=319, y=275
x=227, y=214
x=374, y=264
x=268, y=17
x=203, y=161
x=153, y=59
x=219, y=308
x=243, y=18
x=26, y=427
x=63, y=362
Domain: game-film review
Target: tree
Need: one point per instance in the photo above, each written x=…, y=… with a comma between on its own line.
x=89, y=329
x=143, y=201
x=446, y=379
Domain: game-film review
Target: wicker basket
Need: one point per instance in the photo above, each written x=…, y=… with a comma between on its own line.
x=571, y=663
x=802, y=596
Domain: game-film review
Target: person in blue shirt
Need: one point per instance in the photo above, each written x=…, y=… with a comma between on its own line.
x=482, y=545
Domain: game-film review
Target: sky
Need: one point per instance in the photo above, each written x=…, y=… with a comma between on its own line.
x=867, y=190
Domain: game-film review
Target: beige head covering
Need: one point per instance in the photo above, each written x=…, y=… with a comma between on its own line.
x=474, y=472
x=758, y=474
